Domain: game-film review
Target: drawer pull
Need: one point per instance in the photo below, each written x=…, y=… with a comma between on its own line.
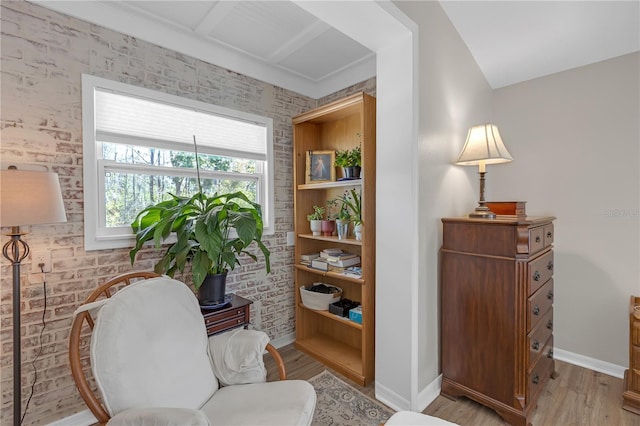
x=536, y=310
x=536, y=345
x=550, y=325
x=536, y=276
x=550, y=354
x=550, y=265
x=537, y=238
x=549, y=234
x=550, y=295
x=238, y=312
x=536, y=379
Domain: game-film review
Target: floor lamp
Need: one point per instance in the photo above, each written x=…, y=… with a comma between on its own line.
x=26, y=198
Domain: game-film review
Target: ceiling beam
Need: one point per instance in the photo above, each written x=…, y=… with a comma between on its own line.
x=216, y=14
x=318, y=28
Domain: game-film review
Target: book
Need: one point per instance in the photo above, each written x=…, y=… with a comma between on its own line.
x=309, y=256
x=330, y=252
x=319, y=264
x=343, y=263
x=340, y=256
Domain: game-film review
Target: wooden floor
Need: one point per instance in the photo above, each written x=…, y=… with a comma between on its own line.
x=579, y=396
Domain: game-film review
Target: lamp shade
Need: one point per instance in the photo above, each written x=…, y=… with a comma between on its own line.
x=30, y=198
x=483, y=145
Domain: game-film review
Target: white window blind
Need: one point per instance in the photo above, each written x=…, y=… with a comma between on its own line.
x=152, y=123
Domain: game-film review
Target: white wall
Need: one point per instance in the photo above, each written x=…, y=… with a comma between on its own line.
x=453, y=95
x=574, y=137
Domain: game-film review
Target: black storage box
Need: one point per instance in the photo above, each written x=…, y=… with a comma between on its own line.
x=342, y=307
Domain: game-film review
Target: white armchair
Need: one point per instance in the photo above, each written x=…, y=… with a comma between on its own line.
x=153, y=363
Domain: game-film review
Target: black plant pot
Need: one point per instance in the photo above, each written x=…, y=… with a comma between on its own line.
x=212, y=290
x=351, y=172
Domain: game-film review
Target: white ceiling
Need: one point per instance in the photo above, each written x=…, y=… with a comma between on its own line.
x=280, y=43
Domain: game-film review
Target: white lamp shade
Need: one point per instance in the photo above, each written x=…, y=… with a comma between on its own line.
x=483, y=145
x=30, y=198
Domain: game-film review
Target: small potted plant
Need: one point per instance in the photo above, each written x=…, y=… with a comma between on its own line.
x=351, y=162
x=315, y=220
x=329, y=224
x=343, y=218
x=352, y=200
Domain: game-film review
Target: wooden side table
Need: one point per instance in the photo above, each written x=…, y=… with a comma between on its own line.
x=227, y=318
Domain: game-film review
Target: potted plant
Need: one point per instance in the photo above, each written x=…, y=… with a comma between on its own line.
x=211, y=232
x=352, y=200
x=343, y=218
x=351, y=162
x=315, y=220
x=329, y=224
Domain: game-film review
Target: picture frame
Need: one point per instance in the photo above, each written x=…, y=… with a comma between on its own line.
x=319, y=167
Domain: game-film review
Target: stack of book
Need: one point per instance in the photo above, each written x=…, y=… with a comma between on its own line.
x=306, y=259
x=353, y=271
x=334, y=259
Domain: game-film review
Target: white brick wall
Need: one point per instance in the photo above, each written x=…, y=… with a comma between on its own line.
x=44, y=54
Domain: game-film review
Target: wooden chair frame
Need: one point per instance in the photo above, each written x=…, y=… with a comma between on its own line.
x=75, y=340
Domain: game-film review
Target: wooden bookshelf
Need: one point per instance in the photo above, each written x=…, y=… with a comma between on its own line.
x=339, y=343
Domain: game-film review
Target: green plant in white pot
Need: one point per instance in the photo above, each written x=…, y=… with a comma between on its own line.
x=212, y=233
x=315, y=220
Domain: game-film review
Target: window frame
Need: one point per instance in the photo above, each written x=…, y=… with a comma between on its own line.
x=98, y=237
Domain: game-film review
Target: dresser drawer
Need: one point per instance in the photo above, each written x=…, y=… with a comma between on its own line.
x=540, y=270
x=223, y=316
x=541, y=372
x=548, y=234
x=539, y=304
x=228, y=324
x=539, y=336
x=536, y=239
x=635, y=334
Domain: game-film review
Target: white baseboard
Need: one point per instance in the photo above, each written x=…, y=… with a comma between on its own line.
x=590, y=363
x=425, y=397
x=83, y=418
x=429, y=394
x=283, y=341
x=390, y=398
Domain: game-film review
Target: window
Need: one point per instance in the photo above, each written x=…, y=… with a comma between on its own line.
x=139, y=147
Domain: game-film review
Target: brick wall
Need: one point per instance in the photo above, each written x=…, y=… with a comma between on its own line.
x=44, y=54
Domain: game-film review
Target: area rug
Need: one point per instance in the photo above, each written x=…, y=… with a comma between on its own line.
x=340, y=404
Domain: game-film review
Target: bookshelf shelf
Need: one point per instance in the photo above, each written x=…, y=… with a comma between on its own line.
x=331, y=274
x=335, y=354
x=333, y=317
x=350, y=240
x=341, y=344
x=337, y=184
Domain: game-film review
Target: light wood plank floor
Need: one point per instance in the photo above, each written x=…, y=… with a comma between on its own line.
x=578, y=396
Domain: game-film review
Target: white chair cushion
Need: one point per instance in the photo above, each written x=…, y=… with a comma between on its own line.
x=410, y=418
x=160, y=417
x=286, y=402
x=149, y=348
x=237, y=356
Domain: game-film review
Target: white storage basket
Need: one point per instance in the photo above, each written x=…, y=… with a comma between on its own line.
x=319, y=301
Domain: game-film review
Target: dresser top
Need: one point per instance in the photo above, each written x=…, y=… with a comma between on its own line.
x=505, y=220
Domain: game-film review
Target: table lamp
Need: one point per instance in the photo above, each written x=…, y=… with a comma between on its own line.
x=26, y=198
x=483, y=146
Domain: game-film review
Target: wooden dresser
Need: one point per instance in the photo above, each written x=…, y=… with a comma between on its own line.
x=497, y=312
x=631, y=395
